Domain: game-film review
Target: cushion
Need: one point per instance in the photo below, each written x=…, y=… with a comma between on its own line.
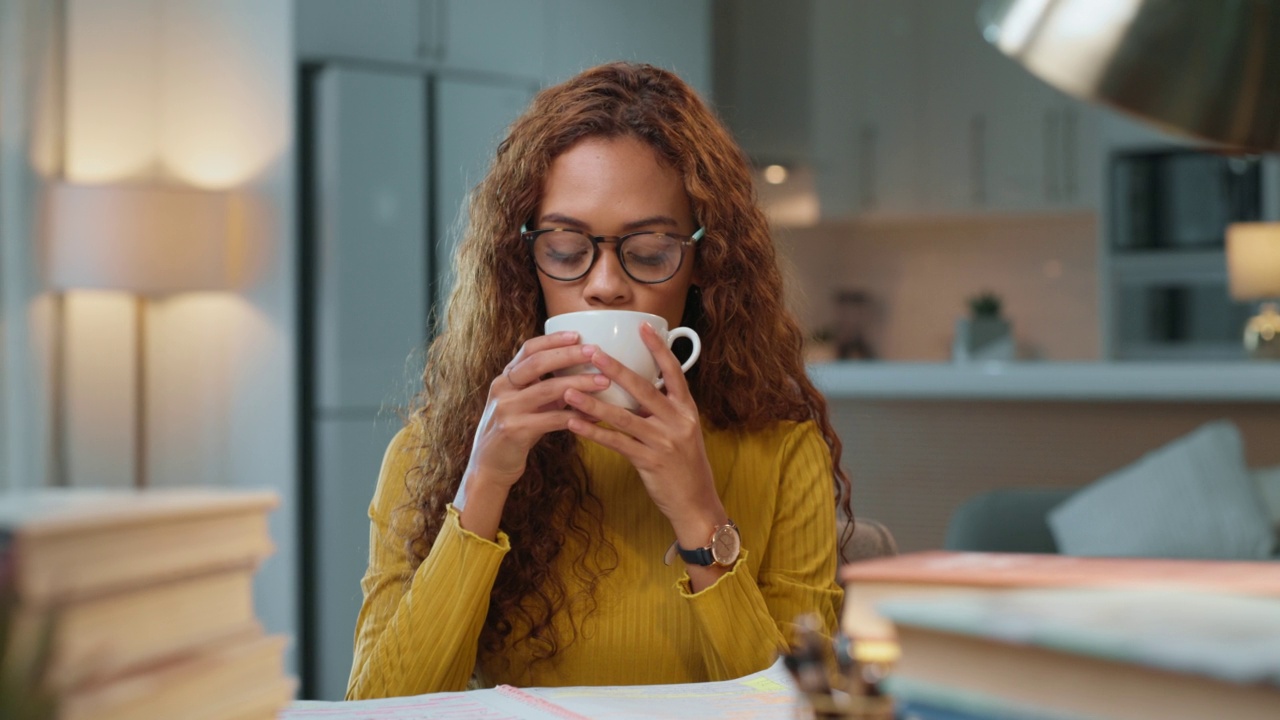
x=1268, y=482
x=1192, y=498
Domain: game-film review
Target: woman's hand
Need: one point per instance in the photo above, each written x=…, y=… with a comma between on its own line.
x=524, y=404
x=663, y=441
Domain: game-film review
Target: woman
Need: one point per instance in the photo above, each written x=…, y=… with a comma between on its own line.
x=520, y=525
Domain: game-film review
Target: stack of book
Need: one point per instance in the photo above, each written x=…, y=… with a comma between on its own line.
x=144, y=602
x=1013, y=637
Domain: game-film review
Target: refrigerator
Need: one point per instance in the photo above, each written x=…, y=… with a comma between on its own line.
x=387, y=156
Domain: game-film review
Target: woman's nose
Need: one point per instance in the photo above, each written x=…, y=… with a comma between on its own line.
x=607, y=283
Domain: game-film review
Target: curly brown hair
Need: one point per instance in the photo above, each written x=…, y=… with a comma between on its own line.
x=496, y=305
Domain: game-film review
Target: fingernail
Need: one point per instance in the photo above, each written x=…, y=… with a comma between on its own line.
x=588, y=350
x=601, y=380
x=573, y=396
x=567, y=335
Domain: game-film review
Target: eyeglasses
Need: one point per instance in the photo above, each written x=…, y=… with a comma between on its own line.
x=646, y=257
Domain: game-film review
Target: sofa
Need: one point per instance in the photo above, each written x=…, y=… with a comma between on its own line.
x=1192, y=498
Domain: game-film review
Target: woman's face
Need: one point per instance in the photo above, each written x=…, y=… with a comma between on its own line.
x=613, y=187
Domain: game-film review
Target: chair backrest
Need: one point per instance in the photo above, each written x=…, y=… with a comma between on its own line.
x=1006, y=520
x=870, y=539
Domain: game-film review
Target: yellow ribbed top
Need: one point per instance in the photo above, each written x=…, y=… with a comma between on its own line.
x=418, y=630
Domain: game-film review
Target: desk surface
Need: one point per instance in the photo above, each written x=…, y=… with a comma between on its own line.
x=765, y=695
x=1081, y=381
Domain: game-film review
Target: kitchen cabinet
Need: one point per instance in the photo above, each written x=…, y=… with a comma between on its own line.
x=542, y=40
x=917, y=116
x=867, y=106
x=498, y=36
x=1000, y=140
x=369, y=260
x=763, y=80
x=956, y=98
x=474, y=116
x=493, y=36
x=388, y=30
x=675, y=34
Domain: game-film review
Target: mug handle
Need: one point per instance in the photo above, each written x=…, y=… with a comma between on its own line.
x=692, y=335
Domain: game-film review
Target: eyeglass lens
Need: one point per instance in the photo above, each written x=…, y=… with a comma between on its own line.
x=646, y=256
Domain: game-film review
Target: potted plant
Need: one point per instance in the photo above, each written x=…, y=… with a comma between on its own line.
x=985, y=334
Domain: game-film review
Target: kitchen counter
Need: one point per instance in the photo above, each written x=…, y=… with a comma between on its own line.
x=1077, y=381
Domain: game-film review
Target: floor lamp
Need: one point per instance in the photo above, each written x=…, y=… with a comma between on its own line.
x=149, y=240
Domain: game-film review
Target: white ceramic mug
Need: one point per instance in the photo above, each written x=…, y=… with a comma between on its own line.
x=617, y=332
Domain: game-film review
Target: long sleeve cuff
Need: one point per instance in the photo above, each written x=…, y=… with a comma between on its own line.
x=444, y=610
x=739, y=635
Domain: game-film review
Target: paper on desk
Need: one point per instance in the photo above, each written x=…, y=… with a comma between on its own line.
x=495, y=704
x=765, y=695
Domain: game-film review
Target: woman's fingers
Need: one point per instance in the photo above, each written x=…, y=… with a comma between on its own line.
x=668, y=364
x=551, y=392
x=546, y=342
x=524, y=372
x=620, y=442
x=640, y=388
x=622, y=419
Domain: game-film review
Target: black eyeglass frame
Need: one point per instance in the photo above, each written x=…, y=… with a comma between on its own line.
x=685, y=241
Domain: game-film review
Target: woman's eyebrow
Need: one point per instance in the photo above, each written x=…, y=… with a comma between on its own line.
x=633, y=225
x=562, y=219
x=651, y=221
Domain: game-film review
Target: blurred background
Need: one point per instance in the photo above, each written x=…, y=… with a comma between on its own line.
x=289, y=175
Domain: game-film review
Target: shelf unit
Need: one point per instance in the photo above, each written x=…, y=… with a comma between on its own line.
x=1168, y=303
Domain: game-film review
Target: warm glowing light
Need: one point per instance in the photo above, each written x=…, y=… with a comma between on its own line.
x=222, y=110
x=775, y=174
x=111, y=109
x=877, y=650
x=1253, y=260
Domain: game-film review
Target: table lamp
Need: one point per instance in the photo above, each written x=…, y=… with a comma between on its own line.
x=150, y=240
x=1253, y=269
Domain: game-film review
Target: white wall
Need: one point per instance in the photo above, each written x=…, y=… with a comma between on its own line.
x=921, y=275
x=197, y=92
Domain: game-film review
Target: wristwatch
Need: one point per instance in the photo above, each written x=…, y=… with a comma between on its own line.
x=726, y=543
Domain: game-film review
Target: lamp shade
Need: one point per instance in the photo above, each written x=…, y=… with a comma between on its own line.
x=1210, y=68
x=144, y=239
x=1253, y=260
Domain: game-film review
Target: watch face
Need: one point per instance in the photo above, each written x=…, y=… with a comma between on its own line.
x=725, y=545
